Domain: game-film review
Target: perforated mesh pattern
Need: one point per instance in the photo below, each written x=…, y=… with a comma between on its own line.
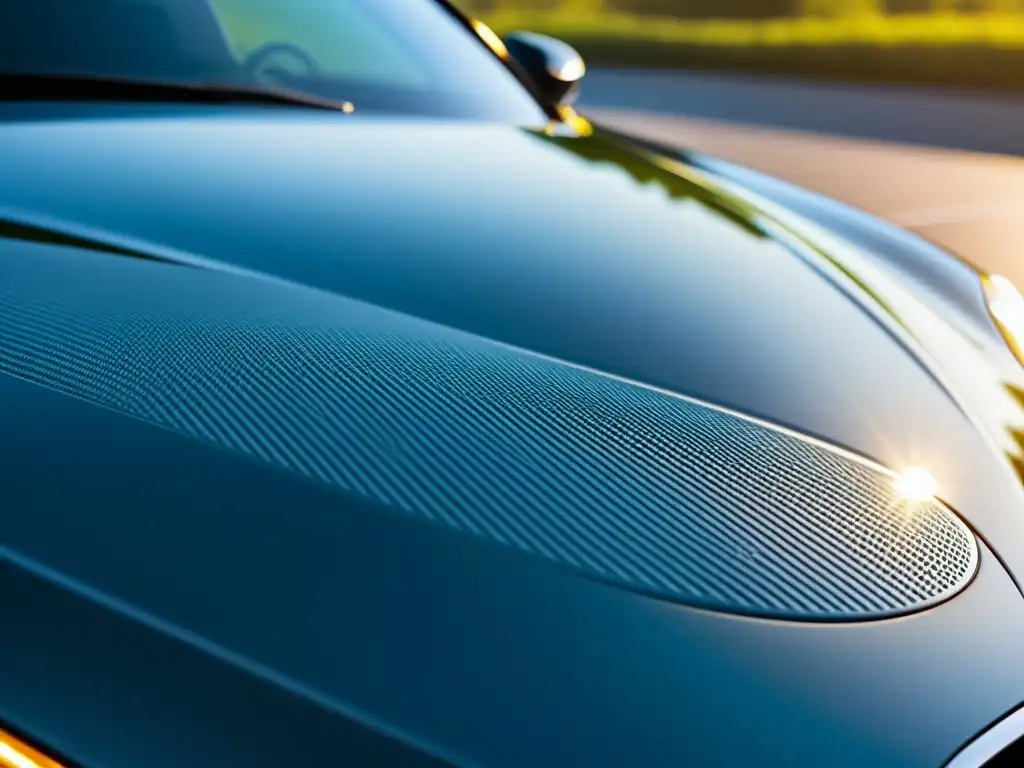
x=623, y=483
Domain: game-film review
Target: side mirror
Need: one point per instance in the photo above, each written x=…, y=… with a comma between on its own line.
x=555, y=67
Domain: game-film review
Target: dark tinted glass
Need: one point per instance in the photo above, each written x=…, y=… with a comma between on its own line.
x=393, y=55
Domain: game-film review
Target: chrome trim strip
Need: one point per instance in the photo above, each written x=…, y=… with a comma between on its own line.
x=990, y=743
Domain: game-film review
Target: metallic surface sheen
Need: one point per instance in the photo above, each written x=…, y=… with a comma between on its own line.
x=619, y=482
x=990, y=743
x=209, y=591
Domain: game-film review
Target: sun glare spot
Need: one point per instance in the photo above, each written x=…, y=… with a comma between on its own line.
x=915, y=484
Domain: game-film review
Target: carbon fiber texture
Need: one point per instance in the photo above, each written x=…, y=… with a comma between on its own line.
x=620, y=482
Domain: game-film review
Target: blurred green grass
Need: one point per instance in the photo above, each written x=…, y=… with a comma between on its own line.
x=922, y=29
x=982, y=51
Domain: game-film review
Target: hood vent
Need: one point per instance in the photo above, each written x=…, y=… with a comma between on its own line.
x=615, y=481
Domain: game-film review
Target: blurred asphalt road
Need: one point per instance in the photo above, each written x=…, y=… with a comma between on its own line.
x=979, y=122
x=926, y=160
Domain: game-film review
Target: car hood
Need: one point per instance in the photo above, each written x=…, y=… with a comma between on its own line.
x=585, y=250
x=577, y=248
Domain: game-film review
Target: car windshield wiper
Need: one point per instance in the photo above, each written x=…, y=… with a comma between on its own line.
x=40, y=87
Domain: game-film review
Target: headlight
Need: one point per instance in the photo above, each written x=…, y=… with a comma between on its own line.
x=1007, y=307
x=14, y=753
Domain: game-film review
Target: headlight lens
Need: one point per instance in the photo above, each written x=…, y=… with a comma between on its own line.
x=1007, y=307
x=14, y=753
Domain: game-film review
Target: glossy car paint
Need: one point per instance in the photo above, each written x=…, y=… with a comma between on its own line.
x=208, y=594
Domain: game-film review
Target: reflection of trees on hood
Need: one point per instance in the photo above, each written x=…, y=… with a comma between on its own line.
x=1017, y=432
x=602, y=148
x=606, y=150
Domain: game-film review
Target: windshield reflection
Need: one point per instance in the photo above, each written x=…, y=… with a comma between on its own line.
x=414, y=57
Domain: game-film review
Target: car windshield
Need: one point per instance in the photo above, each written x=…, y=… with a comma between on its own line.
x=410, y=56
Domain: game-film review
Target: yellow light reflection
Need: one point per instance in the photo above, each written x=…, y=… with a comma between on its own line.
x=915, y=485
x=490, y=37
x=1007, y=307
x=576, y=121
x=15, y=753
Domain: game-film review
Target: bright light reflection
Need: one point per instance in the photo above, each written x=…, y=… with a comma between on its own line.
x=571, y=71
x=15, y=754
x=1007, y=307
x=915, y=484
x=490, y=37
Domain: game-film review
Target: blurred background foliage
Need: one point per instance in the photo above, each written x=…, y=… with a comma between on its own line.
x=751, y=9
x=976, y=44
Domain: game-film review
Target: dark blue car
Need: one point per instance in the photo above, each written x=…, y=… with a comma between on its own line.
x=362, y=404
